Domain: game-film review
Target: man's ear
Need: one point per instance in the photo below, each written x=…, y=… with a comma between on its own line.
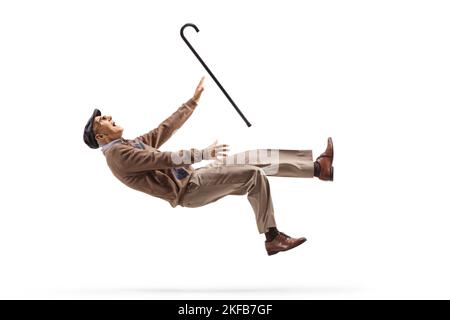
x=99, y=136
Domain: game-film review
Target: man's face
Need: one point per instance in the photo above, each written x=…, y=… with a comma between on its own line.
x=106, y=129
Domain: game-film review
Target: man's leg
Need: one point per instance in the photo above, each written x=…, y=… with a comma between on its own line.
x=209, y=184
x=274, y=162
x=285, y=163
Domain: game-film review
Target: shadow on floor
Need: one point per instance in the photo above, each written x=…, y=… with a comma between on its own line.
x=225, y=290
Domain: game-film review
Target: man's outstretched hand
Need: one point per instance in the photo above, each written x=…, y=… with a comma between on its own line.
x=199, y=90
x=215, y=150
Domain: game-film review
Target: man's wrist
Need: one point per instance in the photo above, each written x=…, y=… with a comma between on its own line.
x=192, y=103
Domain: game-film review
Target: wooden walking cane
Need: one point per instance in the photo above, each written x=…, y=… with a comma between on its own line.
x=210, y=73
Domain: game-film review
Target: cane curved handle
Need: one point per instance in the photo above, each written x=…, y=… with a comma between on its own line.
x=189, y=44
x=184, y=27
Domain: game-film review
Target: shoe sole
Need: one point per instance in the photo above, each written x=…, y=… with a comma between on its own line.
x=271, y=253
x=332, y=158
x=332, y=149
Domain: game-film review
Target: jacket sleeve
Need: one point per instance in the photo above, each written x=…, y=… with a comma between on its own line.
x=131, y=160
x=168, y=127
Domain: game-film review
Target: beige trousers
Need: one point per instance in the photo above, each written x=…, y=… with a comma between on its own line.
x=246, y=173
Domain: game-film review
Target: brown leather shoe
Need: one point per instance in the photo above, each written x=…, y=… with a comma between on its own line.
x=282, y=242
x=326, y=162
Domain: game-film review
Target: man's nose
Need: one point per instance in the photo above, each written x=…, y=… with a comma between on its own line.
x=109, y=118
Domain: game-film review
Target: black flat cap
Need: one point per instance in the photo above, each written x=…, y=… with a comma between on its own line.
x=89, y=136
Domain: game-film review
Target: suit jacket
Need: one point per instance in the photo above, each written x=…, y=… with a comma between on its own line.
x=140, y=165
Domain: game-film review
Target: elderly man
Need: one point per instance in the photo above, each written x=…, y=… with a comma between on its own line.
x=140, y=165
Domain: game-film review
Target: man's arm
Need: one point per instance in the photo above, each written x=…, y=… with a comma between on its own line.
x=130, y=160
x=168, y=127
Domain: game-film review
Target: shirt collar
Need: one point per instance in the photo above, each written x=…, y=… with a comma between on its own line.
x=108, y=146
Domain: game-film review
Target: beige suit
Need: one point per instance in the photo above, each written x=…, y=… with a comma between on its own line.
x=140, y=165
x=247, y=176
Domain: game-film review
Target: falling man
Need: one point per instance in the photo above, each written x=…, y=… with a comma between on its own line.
x=140, y=165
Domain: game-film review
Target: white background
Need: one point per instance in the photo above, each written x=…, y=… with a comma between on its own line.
x=374, y=75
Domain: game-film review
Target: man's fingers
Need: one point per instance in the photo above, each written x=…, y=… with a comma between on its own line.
x=222, y=151
x=222, y=148
x=221, y=155
x=214, y=150
x=200, y=84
